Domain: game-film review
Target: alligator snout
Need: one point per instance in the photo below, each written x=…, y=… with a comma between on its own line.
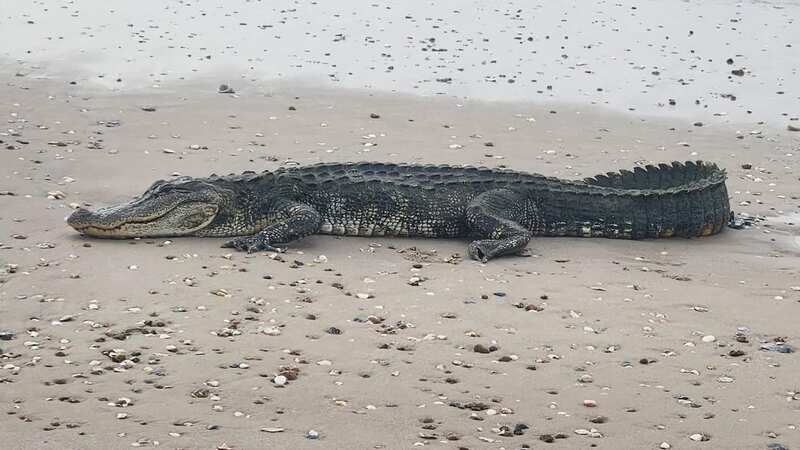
x=79, y=218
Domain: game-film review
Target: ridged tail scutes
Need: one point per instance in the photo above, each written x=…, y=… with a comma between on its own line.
x=679, y=199
x=664, y=177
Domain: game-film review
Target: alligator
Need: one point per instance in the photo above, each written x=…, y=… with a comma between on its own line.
x=500, y=209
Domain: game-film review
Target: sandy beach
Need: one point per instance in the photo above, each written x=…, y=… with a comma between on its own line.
x=393, y=343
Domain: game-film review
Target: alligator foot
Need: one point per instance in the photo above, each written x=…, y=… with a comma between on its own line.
x=302, y=220
x=743, y=221
x=479, y=250
x=252, y=244
x=485, y=249
x=494, y=215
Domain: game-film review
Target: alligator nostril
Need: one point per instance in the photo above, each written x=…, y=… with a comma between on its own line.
x=78, y=216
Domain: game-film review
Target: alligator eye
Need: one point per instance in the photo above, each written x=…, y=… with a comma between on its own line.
x=157, y=187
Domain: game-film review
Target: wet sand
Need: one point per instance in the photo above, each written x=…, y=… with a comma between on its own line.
x=382, y=343
x=717, y=60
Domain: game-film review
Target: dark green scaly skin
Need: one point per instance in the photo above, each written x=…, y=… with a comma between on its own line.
x=501, y=209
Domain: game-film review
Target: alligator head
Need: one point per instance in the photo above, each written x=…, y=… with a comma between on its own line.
x=179, y=207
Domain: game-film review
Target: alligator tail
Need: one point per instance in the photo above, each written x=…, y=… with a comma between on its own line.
x=682, y=199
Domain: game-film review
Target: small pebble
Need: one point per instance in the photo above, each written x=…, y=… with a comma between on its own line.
x=312, y=434
x=699, y=437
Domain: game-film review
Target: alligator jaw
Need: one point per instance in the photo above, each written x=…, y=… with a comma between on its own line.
x=90, y=223
x=102, y=225
x=122, y=222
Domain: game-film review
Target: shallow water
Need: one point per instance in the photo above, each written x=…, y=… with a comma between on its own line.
x=626, y=55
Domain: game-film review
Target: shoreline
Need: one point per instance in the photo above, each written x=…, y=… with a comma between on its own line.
x=207, y=83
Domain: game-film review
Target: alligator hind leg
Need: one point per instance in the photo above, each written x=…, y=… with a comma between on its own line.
x=495, y=217
x=299, y=220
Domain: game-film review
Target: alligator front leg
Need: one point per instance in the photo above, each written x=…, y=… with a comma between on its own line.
x=494, y=216
x=300, y=220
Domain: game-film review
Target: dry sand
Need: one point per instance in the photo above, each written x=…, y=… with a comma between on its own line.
x=181, y=344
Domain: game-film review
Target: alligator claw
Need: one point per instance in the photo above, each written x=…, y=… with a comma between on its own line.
x=251, y=244
x=477, y=252
x=485, y=249
x=268, y=248
x=234, y=243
